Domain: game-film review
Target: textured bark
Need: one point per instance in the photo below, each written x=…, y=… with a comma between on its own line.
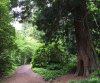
x=87, y=59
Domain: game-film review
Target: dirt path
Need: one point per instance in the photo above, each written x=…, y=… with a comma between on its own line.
x=66, y=78
x=24, y=74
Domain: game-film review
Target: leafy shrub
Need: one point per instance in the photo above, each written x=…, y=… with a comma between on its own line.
x=6, y=63
x=55, y=66
x=50, y=74
x=96, y=73
x=98, y=52
x=24, y=55
x=7, y=39
x=52, y=61
x=49, y=54
x=71, y=64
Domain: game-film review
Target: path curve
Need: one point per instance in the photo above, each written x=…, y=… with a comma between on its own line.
x=24, y=74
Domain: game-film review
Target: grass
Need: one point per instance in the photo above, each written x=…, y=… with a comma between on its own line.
x=49, y=74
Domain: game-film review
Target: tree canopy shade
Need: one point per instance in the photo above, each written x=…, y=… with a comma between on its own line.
x=50, y=21
x=54, y=18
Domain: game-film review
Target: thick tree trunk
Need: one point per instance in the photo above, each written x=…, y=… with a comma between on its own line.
x=87, y=59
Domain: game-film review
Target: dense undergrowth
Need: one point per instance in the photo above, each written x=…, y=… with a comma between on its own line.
x=7, y=40
x=50, y=74
x=92, y=78
x=51, y=61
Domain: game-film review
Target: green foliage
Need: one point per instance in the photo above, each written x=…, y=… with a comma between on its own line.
x=90, y=80
x=96, y=73
x=71, y=64
x=55, y=66
x=50, y=74
x=30, y=30
x=52, y=60
x=23, y=52
x=55, y=19
x=48, y=54
x=27, y=43
x=93, y=78
x=6, y=63
x=7, y=32
x=23, y=55
x=7, y=38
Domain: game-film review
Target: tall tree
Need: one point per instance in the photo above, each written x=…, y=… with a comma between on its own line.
x=87, y=58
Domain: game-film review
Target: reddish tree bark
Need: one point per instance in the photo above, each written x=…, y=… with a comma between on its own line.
x=87, y=59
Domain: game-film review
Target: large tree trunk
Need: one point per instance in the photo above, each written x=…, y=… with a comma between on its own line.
x=87, y=59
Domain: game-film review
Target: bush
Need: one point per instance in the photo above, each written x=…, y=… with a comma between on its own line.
x=46, y=55
x=6, y=63
x=7, y=39
x=50, y=74
x=52, y=61
x=71, y=64
x=55, y=66
x=96, y=73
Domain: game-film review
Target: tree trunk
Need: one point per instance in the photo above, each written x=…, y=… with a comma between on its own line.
x=87, y=59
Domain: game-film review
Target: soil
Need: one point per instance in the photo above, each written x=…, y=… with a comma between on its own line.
x=68, y=77
x=24, y=74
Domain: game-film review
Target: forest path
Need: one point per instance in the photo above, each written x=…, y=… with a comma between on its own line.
x=68, y=77
x=24, y=74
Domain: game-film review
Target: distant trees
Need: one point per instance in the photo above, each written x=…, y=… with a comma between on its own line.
x=27, y=40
